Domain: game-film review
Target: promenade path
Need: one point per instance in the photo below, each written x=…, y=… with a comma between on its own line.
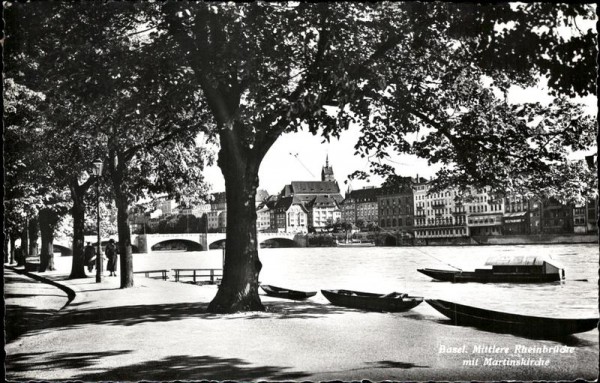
x=159, y=330
x=28, y=303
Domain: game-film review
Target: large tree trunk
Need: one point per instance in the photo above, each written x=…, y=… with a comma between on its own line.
x=33, y=238
x=239, y=287
x=24, y=247
x=6, y=250
x=13, y=240
x=48, y=220
x=125, y=256
x=78, y=213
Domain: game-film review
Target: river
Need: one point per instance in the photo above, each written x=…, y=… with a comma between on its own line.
x=386, y=269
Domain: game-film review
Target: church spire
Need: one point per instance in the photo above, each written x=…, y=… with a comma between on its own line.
x=327, y=171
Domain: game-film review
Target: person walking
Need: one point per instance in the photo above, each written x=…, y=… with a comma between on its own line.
x=19, y=256
x=90, y=256
x=111, y=254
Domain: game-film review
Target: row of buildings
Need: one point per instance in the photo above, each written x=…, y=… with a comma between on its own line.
x=411, y=209
x=408, y=208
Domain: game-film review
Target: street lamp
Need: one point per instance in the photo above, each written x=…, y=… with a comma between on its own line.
x=97, y=171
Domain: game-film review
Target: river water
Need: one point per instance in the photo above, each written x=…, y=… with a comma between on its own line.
x=386, y=269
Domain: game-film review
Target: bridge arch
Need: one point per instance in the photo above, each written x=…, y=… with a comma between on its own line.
x=278, y=242
x=390, y=240
x=63, y=250
x=218, y=244
x=172, y=244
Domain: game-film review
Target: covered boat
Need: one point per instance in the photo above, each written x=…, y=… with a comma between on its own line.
x=280, y=292
x=393, y=302
x=497, y=321
x=504, y=269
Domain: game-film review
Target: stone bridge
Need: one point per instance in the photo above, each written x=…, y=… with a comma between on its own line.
x=145, y=242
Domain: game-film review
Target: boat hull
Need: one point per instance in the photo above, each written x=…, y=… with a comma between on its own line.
x=497, y=321
x=488, y=277
x=367, y=244
x=370, y=301
x=278, y=292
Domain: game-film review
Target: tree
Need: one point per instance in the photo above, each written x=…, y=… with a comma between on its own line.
x=360, y=223
x=66, y=152
x=395, y=69
x=20, y=105
x=108, y=83
x=372, y=226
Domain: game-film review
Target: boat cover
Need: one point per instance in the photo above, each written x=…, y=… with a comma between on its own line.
x=519, y=260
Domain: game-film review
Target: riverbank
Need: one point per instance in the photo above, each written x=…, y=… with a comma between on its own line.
x=160, y=331
x=391, y=239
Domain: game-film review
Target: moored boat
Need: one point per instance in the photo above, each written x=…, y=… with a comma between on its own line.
x=280, y=292
x=498, y=321
x=518, y=269
x=355, y=244
x=393, y=302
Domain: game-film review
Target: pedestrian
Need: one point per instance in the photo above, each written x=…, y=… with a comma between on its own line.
x=89, y=256
x=19, y=256
x=111, y=254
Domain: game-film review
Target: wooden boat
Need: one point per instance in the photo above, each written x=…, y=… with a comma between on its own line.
x=393, y=302
x=355, y=244
x=519, y=269
x=279, y=292
x=497, y=321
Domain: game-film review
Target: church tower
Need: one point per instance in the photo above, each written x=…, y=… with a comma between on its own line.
x=327, y=171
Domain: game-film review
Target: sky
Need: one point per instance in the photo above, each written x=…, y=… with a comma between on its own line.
x=280, y=166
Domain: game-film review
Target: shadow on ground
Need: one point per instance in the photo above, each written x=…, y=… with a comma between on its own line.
x=187, y=367
x=21, y=362
x=21, y=319
x=131, y=315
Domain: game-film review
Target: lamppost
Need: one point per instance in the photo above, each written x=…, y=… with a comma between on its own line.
x=97, y=171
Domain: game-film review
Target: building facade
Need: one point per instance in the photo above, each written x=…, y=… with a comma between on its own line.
x=323, y=211
x=484, y=213
x=396, y=208
x=361, y=207
x=517, y=216
x=263, y=218
x=348, y=211
x=291, y=216
x=438, y=215
x=556, y=218
x=217, y=220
